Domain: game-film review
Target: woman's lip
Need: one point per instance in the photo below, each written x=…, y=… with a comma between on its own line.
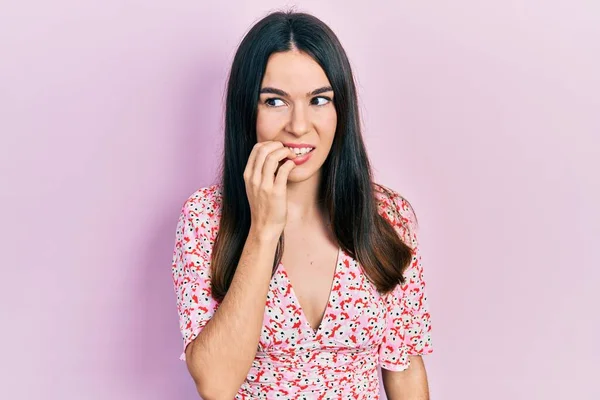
x=299, y=160
x=298, y=146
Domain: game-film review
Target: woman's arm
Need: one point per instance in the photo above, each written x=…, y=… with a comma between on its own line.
x=221, y=355
x=409, y=384
x=408, y=331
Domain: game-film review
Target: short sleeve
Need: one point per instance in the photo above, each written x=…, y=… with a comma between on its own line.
x=408, y=326
x=191, y=271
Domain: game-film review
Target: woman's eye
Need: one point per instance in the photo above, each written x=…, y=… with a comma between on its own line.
x=273, y=102
x=321, y=101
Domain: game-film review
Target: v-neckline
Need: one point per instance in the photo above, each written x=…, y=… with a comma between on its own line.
x=334, y=282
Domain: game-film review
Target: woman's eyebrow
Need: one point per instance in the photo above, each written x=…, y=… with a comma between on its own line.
x=320, y=90
x=282, y=93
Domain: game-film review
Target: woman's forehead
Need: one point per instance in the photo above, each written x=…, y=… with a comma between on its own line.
x=293, y=71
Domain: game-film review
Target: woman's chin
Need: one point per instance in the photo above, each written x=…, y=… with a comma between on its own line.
x=299, y=174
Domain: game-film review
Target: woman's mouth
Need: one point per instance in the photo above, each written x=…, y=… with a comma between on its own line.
x=302, y=154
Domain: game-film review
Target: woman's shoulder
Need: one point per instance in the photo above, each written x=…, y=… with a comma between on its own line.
x=207, y=198
x=203, y=207
x=395, y=208
x=390, y=200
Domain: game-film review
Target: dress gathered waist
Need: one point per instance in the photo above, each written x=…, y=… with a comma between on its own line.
x=316, y=370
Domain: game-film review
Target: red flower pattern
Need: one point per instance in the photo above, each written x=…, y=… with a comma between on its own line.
x=360, y=330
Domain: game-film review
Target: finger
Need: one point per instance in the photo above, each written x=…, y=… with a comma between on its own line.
x=273, y=161
x=254, y=155
x=252, y=159
x=261, y=155
x=282, y=175
x=261, y=151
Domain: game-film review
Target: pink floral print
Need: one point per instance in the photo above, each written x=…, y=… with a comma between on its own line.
x=360, y=330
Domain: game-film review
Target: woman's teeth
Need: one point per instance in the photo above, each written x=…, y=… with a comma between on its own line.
x=302, y=151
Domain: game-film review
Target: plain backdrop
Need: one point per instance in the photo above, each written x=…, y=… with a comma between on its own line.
x=484, y=114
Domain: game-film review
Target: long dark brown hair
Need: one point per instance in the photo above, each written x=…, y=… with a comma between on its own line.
x=347, y=188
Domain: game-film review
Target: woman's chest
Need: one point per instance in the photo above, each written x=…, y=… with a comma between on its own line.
x=354, y=316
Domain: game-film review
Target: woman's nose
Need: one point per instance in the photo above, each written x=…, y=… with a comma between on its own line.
x=299, y=123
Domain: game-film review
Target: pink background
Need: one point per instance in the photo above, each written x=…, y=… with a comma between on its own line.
x=485, y=115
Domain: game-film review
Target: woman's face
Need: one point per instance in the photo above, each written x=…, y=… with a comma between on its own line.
x=296, y=108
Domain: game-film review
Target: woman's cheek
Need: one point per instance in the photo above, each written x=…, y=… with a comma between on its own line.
x=262, y=128
x=268, y=125
x=327, y=124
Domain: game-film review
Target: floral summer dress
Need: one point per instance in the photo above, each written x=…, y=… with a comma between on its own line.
x=360, y=330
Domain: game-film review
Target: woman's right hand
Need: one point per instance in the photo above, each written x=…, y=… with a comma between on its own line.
x=266, y=186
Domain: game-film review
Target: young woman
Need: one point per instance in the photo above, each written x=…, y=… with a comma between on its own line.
x=296, y=275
